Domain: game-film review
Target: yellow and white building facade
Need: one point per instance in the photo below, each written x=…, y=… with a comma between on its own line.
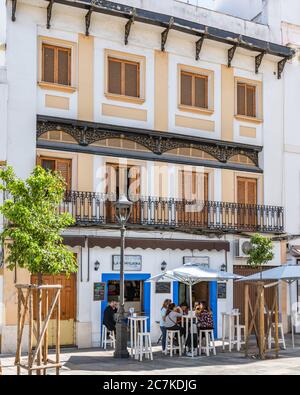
x=142, y=98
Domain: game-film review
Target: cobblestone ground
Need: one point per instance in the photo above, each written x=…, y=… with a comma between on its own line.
x=99, y=362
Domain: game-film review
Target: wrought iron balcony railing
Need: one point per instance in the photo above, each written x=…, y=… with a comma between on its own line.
x=89, y=208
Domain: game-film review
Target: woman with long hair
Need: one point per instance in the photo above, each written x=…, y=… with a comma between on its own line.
x=163, y=313
x=173, y=314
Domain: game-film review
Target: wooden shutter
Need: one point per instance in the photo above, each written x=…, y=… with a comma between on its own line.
x=246, y=190
x=63, y=166
x=252, y=192
x=48, y=64
x=246, y=100
x=241, y=191
x=251, y=101
x=241, y=99
x=48, y=164
x=63, y=66
x=189, y=191
x=134, y=177
x=56, y=65
x=194, y=90
x=68, y=294
x=131, y=79
x=186, y=89
x=201, y=94
x=123, y=77
x=114, y=76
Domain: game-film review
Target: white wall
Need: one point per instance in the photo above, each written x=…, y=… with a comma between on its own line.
x=246, y=9
x=21, y=76
x=3, y=113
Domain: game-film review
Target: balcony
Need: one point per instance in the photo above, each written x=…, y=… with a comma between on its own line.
x=93, y=209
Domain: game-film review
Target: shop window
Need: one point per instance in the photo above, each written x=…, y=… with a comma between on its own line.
x=132, y=291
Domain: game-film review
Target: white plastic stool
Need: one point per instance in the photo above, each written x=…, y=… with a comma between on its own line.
x=240, y=333
x=271, y=338
x=208, y=347
x=170, y=346
x=111, y=341
x=144, y=346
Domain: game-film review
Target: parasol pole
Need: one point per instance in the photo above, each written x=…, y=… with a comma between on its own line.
x=291, y=313
x=191, y=316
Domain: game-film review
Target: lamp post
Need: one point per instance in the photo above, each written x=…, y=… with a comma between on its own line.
x=123, y=211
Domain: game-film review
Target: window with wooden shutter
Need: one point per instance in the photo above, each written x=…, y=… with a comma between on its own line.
x=247, y=190
x=194, y=90
x=194, y=185
x=62, y=166
x=123, y=77
x=56, y=65
x=246, y=99
x=247, y=198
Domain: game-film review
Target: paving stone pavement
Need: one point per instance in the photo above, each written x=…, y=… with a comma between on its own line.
x=99, y=362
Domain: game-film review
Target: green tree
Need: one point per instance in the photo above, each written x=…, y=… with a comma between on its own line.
x=261, y=251
x=33, y=223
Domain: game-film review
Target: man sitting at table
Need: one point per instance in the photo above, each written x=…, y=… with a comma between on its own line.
x=109, y=316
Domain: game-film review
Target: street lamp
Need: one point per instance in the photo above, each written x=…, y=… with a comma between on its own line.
x=123, y=211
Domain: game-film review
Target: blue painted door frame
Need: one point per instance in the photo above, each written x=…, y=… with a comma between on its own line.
x=129, y=277
x=213, y=296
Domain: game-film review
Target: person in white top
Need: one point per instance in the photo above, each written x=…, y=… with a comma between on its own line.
x=172, y=316
x=163, y=313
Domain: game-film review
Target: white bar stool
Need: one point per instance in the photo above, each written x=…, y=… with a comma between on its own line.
x=111, y=341
x=144, y=346
x=209, y=344
x=230, y=321
x=271, y=339
x=170, y=346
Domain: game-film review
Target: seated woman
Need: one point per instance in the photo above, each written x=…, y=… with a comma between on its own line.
x=163, y=329
x=204, y=322
x=205, y=317
x=172, y=315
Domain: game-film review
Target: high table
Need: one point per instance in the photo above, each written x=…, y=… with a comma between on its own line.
x=230, y=321
x=137, y=324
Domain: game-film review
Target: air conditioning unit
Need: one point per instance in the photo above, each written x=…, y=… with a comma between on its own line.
x=242, y=248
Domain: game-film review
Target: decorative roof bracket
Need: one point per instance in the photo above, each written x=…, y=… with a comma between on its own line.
x=13, y=10
x=128, y=26
x=49, y=13
x=231, y=53
x=88, y=21
x=258, y=60
x=165, y=33
x=200, y=42
x=281, y=66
